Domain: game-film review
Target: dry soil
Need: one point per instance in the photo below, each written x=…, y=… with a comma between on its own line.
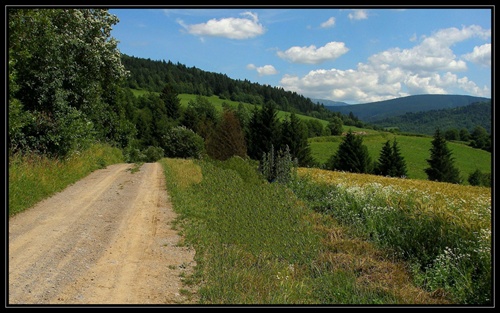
x=107, y=239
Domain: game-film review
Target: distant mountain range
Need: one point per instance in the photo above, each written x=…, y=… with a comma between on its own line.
x=376, y=111
x=426, y=122
x=330, y=103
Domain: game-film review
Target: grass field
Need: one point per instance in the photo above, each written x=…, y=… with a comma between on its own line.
x=414, y=149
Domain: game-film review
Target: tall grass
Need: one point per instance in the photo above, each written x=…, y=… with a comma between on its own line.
x=257, y=243
x=443, y=230
x=33, y=177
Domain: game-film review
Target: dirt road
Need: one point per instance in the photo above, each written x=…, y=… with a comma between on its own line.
x=106, y=239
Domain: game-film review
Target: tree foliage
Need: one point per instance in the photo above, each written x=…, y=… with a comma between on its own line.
x=294, y=136
x=64, y=66
x=391, y=162
x=351, y=156
x=441, y=162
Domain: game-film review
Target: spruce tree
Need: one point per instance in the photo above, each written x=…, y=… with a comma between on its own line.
x=294, y=135
x=441, y=162
x=384, y=164
x=398, y=162
x=263, y=130
x=171, y=101
x=351, y=156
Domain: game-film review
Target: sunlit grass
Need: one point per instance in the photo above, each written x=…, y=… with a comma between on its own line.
x=443, y=229
x=33, y=177
x=257, y=243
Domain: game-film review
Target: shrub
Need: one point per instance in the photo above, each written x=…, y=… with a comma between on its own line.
x=182, y=142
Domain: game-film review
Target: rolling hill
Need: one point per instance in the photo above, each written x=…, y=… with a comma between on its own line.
x=375, y=111
x=426, y=122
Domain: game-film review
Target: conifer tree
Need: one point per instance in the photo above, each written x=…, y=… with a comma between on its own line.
x=351, y=156
x=171, y=100
x=294, y=135
x=263, y=130
x=384, y=164
x=391, y=162
x=441, y=162
x=398, y=162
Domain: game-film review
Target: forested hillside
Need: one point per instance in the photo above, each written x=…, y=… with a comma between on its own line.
x=425, y=122
x=154, y=75
x=374, y=111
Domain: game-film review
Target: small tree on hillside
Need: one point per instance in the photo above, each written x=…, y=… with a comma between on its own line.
x=441, y=162
x=351, y=156
x=391, y=162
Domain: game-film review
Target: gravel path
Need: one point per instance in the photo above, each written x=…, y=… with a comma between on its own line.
x=106, y=239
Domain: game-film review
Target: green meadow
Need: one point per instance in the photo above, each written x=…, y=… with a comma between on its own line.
x=414, y=149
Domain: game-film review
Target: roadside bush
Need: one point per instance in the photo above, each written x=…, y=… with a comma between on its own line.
x=153, y=154
x=182, y=142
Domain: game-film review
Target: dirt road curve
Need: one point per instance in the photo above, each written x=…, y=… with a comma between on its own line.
x=106, y=239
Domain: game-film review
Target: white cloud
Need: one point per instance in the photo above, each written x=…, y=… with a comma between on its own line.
x=480, y=55
x=429, y=67
x=313, y=55
x=358, y=14
x=233, y=28
x=329, y=23
x=263, y=70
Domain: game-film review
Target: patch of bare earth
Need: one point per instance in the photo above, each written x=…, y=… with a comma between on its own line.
x=107, y=239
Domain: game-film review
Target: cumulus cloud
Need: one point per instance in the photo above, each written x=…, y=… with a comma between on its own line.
x=234, y=28
x=329, y=23
x=358, y=14
x=429, y=67
x=263, y=70
x=480, y=55
x=313, y=55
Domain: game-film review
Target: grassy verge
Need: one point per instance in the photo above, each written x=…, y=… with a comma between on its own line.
x=258, y=243
x=33, y=178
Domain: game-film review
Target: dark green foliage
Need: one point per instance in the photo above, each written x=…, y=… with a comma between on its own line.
x=391, y=162
x=181, y=142
x=464, y=134
x=171, y=101
x=480, y=139
x=478, y=178
x=452, y=134
x=153, y=154
x=336, y=126
x=441, y=162
x=294, y=136
x=263, y=130
x=200, y=116
x=351, y=156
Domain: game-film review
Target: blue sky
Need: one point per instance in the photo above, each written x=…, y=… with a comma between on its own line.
x=348, y=54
